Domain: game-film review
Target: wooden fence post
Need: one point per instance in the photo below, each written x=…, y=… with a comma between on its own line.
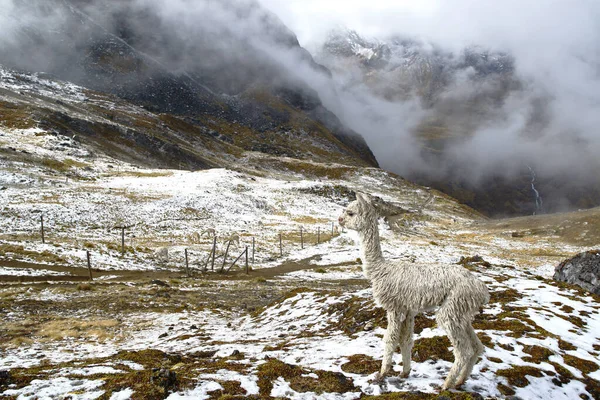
x=225, y=256
x=123, y=240
x=42, y=223
x=301, y=239
x=214, y=249
x=187, y=265
x=89, y=264
x=247, y=270
x=252, y=250
x=280, y=245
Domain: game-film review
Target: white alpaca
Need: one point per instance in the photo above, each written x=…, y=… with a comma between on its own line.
x=404, y=290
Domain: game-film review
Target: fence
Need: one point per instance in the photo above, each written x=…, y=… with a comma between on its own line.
x=298, y=239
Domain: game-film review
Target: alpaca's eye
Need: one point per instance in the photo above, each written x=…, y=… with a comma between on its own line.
x=350, y=213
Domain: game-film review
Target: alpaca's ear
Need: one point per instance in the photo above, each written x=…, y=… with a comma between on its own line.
x=363, y=198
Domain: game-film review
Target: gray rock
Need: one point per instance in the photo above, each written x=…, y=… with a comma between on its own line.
x=4, y=378
x=163, y=377
x=582, y=270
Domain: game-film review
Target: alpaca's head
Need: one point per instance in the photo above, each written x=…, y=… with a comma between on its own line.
x=359, y=214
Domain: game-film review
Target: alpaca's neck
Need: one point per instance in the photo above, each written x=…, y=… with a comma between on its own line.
x=371, y=248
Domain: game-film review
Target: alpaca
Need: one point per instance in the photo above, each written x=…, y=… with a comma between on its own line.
x=404, y=290
x=162, y=254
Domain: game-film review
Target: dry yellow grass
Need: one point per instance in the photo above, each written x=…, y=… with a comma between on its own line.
x=101, y=330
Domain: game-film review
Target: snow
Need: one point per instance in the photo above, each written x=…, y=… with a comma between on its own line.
x=28, y=272
x=124, y=394
x=58, y=388
x=166, y=207
x=199, y=393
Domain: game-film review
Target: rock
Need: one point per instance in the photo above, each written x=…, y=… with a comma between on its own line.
x=159, y=283
x=163, y=377
x=368, y=326
x=194, y=327
x=4, y=378
x=582, y=270
x=235, y=353
x=163, y=335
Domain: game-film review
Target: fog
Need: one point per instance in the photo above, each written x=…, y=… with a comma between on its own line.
x=548, y=120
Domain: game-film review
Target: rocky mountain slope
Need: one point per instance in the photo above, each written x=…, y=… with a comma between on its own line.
x=159, y=321
x=461, y=94
x=177, y=64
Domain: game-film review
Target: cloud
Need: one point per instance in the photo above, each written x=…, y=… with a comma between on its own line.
x=550, y=120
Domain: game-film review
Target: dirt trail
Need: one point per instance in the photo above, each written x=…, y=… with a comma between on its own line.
x=82, y=274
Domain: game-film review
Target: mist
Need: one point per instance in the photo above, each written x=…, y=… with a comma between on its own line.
x=546, y=118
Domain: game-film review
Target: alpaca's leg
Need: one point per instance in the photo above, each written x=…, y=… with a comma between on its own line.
x=461, y=341
x=406, y=343
x=478, y=350
x=390, y=341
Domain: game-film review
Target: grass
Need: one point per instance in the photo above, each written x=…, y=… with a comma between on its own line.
x=355, y=313
x=326, y=381
x=433, y=348
x=62, y=166
x=100, y=329
x=361, y=364
x=584, y=366
x=16, y=116
x=20, y=251
x=537, y=354
x=517, y=375
x=415, y=395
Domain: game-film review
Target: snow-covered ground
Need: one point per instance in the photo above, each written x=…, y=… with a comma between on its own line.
x=88, y=195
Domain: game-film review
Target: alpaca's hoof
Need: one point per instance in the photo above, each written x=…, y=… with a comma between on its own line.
x=378, y=379
x=448, y=387
x=404, y=375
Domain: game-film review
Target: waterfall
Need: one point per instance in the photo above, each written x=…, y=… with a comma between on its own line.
x=538, y=199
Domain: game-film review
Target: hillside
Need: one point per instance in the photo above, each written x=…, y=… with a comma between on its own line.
x=302, y=323
x=477, y=128
x=170, y=67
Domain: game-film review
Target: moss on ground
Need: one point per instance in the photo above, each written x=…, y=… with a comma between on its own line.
x=505, y=390
x=423, y=321
x=355, y=313
x=361, y=364
x=505, y=296
x=537, y=354
x=517, y=375
x=584, y=366
x=445, y=395
x=566, y=346
x=564, y=375
x=163, y=373
x=326, y=381
x=433, y=348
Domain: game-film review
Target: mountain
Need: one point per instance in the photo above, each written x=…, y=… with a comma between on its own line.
x=282, y=310
x=467, y=100
x=201, y=62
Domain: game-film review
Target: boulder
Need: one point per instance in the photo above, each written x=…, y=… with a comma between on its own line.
x=582, y=270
